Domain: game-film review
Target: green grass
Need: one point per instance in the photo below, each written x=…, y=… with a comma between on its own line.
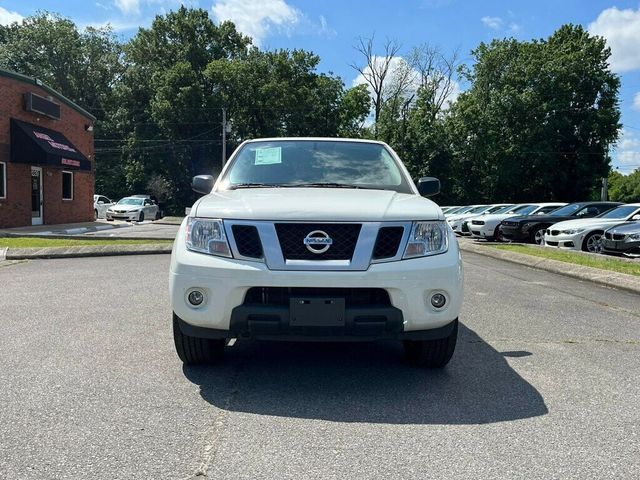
x=39, y=242
x=602, y=262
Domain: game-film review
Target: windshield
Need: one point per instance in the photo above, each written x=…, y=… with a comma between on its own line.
x=130, y=201
x=523, y=209
x=567, y=210
x=622, y=211
x=315, y=163
x=508, y=209
x=458, y=210
x=479, y=209
x=497, y=208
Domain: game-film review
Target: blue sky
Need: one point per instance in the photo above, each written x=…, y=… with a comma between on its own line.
x=331, y=28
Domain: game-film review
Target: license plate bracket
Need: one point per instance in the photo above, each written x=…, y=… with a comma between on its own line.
x=317, y=312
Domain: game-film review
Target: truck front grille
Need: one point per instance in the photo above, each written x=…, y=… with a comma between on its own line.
x=247, y=240
x=344, y=237
x=387, y=242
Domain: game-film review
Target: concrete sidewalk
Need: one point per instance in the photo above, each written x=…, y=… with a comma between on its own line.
x=121, y=230
x=62, y=229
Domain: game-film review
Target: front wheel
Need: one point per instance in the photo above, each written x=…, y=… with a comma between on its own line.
x=95, y=214
x=195, y=350
x=537, y=236
x=497, y=235
x=592, y=243
x=432, y=353
x=141, y=217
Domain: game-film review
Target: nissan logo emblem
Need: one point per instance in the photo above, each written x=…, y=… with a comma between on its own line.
x=318, y=241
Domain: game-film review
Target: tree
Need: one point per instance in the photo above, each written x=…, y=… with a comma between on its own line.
x=85, y=66
x=168, y=116
x=538, y=120
x=624, y=188
x=376, y=72
x=279, y=93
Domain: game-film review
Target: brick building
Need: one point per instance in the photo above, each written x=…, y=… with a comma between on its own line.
x=47, y=163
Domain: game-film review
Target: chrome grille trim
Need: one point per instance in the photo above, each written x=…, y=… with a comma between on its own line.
x=274, y=259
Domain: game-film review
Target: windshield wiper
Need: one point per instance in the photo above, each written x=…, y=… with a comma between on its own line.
x=321, y=185
x=254, y=185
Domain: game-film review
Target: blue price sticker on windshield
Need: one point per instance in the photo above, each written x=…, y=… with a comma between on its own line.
x=268, y=156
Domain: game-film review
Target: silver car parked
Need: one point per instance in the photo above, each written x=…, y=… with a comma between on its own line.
x=134, y=208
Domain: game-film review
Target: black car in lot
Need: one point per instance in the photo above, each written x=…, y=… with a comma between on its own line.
x=531, y=228
x=623, y=239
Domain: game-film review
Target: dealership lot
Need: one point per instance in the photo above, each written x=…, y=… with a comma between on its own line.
x=543, y=385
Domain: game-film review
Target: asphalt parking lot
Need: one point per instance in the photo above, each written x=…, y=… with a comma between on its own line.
x=544, y=384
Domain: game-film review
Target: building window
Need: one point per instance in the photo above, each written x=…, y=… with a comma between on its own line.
x=3, y=180
x=67, y=185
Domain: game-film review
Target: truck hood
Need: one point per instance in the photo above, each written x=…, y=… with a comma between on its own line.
x=316, y=204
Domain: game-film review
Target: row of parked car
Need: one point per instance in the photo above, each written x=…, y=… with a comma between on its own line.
x=597, y=227
x=134, y=208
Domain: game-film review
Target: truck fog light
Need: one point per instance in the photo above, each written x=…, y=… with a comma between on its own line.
x=438, y=300
x=195, y=297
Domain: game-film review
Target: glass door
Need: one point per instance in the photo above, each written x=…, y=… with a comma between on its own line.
x=36, y=196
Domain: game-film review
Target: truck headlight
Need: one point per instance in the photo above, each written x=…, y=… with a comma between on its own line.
x=207, y=236
x=572, y=231
x=427, y=238
x=634, y=237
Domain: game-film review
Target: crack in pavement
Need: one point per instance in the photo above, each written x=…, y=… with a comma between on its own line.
x=211, y=436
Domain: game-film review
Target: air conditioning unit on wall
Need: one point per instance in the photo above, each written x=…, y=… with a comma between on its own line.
x=43, y=106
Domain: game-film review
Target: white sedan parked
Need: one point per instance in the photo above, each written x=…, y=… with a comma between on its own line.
x=586, y=234
x=133, y=208
x=100, y=205
x=457, y=222
x=486, y=227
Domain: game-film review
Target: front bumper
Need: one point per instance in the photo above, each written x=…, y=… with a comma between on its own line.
x=571, y=242
x=620, y=246
x=225, y=283
x=122, y=216
x=482, y=231
x=513, y=233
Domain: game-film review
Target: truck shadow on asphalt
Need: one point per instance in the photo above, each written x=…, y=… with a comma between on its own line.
x=368, y=382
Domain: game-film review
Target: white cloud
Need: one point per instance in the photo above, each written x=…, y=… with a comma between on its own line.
x=128, y=6
x=7, y=17
x=116, y=25
x=257, y=18
x=133, y=7
x=627, y=153
x=636, y=101
x=492, y=22
x=621, y=28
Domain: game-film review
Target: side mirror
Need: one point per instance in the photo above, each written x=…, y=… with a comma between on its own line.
x=100, y=202
x=428, y=186
x=636, y=217
x=202, y=184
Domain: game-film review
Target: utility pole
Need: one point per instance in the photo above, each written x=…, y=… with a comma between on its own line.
x=605, y=189
x=224, y=136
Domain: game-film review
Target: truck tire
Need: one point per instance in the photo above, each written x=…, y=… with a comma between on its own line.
x=194, y=350
x=432, y=353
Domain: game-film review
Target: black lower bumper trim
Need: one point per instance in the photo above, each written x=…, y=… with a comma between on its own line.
x=360, y=325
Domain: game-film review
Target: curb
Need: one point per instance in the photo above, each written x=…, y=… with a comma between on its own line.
x=86, y=251
x=621, y=281
x=61, y=233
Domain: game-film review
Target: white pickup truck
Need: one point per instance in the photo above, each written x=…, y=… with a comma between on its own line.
x=315, y=239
